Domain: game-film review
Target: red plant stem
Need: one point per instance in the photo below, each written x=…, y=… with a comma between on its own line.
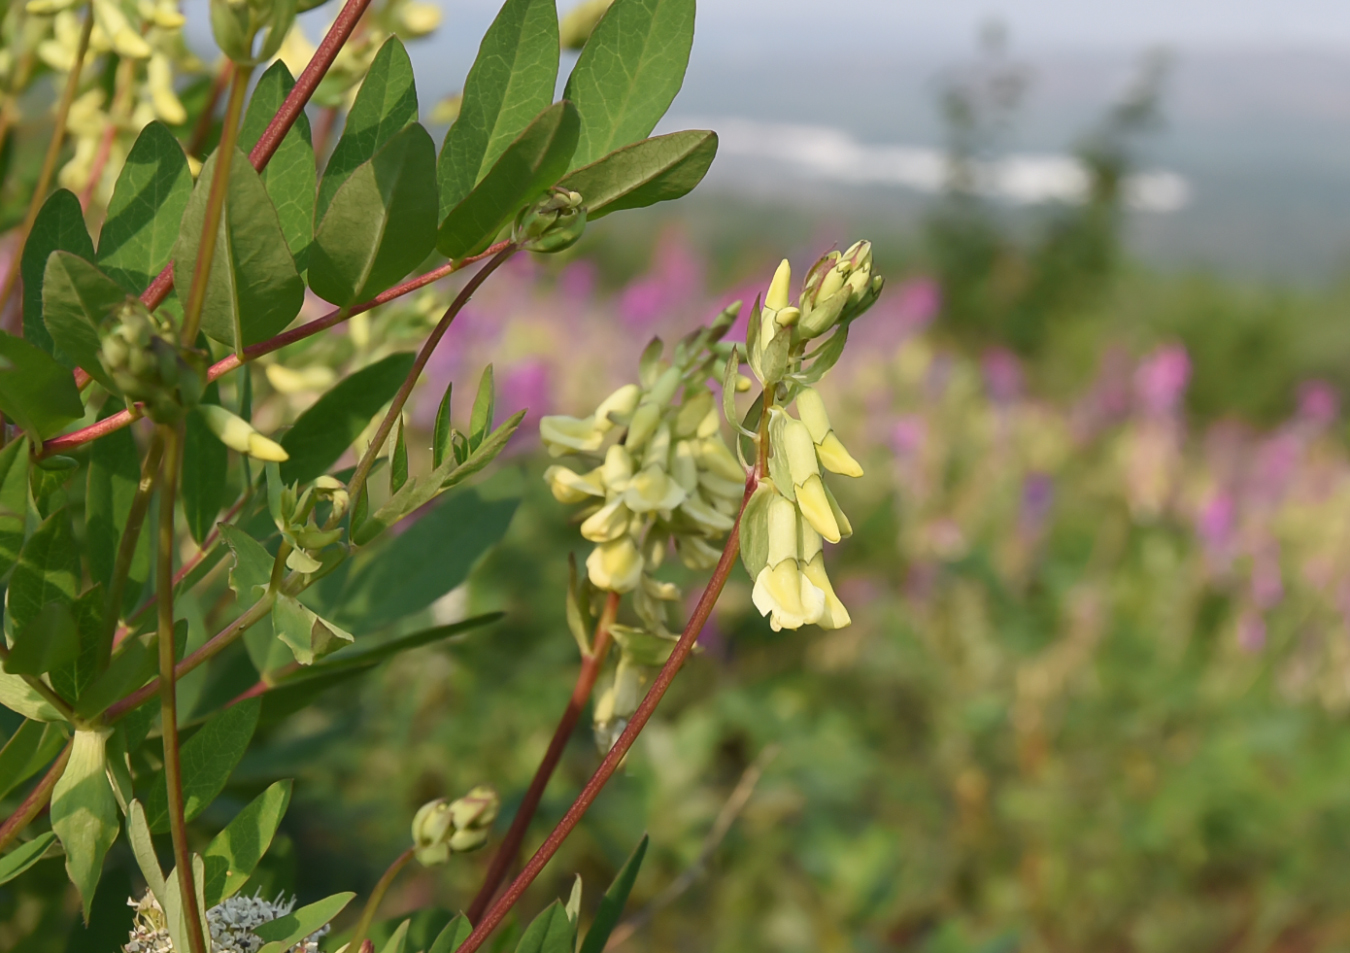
x=616, y=754
x=231, y=362
x=581, y=693
x=285, y=117
x=36, y=800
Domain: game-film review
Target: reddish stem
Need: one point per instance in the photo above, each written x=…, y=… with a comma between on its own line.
x=222, y=367
x=37, y=798
x=281, y=123
x=616, y=754
x=581, y=693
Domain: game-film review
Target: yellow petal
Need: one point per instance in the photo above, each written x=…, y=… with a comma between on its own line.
x=607, y=523
x=571, y=487
x=615, y=566
x=816, y=508
x=836, y=459
x=835, y=614
x=777, y=296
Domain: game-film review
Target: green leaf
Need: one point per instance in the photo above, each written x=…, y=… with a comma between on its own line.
x=386, y=104
x=114, y=472
x=550, y=932
x=453, y=936
x=528, y=167
x=207, y=758
x=397, y=941
x=511, y=81
x=647, y=172
x=13, y=501
x=48, y=571
x=147, y=206
x=420, y=491
x=284, y=932
x=301, y=690
x=409, y=572
x=36, y=393
x=27, y=752
x=484, y=406
x=440, y=434
x=132, y=666
x=84, y=813
x=24, y=856
x=398, y=466
x=143, y=849
x=325, y=431
x=629, y=72
x=309, y=636
x=380, y=224
x=234, y=852
x=205, y=460
x=58, y=226
x=290, y=177
x=175, y=911
x=254, y=289
x=76, y=297
x=379, y=653
x=50, y=640
x=17, y=695
x=611, y=905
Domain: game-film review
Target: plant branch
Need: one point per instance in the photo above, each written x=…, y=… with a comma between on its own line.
x=126, y=549
x=36, y=800
x=616, y=754
x=53, y=154
x=285, y=117
x=740, y=796
x=377, y=895
x=581, y=693
x=168, y=697
x=232, y=362
x=358, y=480
x=215, y=204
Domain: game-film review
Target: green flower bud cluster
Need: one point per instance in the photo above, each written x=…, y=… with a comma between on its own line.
x=146, y=363
x=293, y=513
x=551, y=224
x=441, y=827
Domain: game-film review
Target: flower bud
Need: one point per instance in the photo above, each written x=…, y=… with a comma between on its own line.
x=684, y=466
x=159, y=80
x=617, y=469
x=777, y=295
x=693, y=412
x=831, y=452
x=571, y=487
x=716, y=457
x=563, y=434
x=816, y=508
x=619, y=404
x=615, y=566
x=607, y=523
x=238, y=434
x=696, y=552
x=462, y=842
x=645, y=419
x=475, y=810
x=653, y=489
x=705, y=517
x=553, y=223
x=432, y=828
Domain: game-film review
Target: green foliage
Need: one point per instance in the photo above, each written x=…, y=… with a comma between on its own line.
x=208, y=758
x=628, y=73
x=76, y=297
x=233, y=854
x=28, y=750
x=48, y=571
x=114, y=472
x=84, y=813
x=553, y=931
x=36, y=393
x=290, y=178
x=58, y=227
x=205, y=462
x=611, y=906
x=644, y=173
x=13, y=501
x=24, y=856
x=284, y=932
x=455, y=933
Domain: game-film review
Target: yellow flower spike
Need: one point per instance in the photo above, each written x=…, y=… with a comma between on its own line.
x=840, y=519
x=125, y=40
x=419, y=19
x=238, y=434
x=657, y=453
x=620, y=404
x=777, y=295
x=835, y=613
x=715, y=485
x=696, y=552
x=166, y=16
x=796, y=447
x=710, y=424
x=617, y=469
x=684, y=467
x=645, y=419
x=816, y=509
x=705, y=516
x=563, y=434
x=569, y=486
x=288, y=380
x=787, y=597
x=833, y=456
x=159, y=80
x=716, y=457
x=615, y=566
x=607, y=523
x=693, y=412
x=782, y=530
x=809, y=543
x=653, y=489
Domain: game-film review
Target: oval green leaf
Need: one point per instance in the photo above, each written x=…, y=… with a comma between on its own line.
x=653, y=170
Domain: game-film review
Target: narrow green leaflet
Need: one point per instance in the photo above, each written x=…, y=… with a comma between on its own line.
x=29, y=749
x=114, y=472
x=49, y=641
x=290, y=177
x=143, y=849
x=550, y=932
x=309, y=637
x=419, y=491
x=398, y=940
x=24, y=856
x=408, y=572
x=76, y=297
x=131, y=666
x=611, y=905
x=398, y=460
x=17, y=695
x=36, y=392
x=254, y=289
x=252, y=568
x=48, y=571
x=380, y=224
x=147, y=206
x=13, y=501
x=653, y=170
x=325, y=431
x=205, y=460
x=511, y=81
x=59, y=225
x=386, y=103
x=454, y=934
x=629, y=72
x=234, y=852
x=207, y=759
x=528, y=167
x=84, y=812
x=379, y=653
x=484, y=407
x=440, y=434
x=284, y=932
x=175, y=911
